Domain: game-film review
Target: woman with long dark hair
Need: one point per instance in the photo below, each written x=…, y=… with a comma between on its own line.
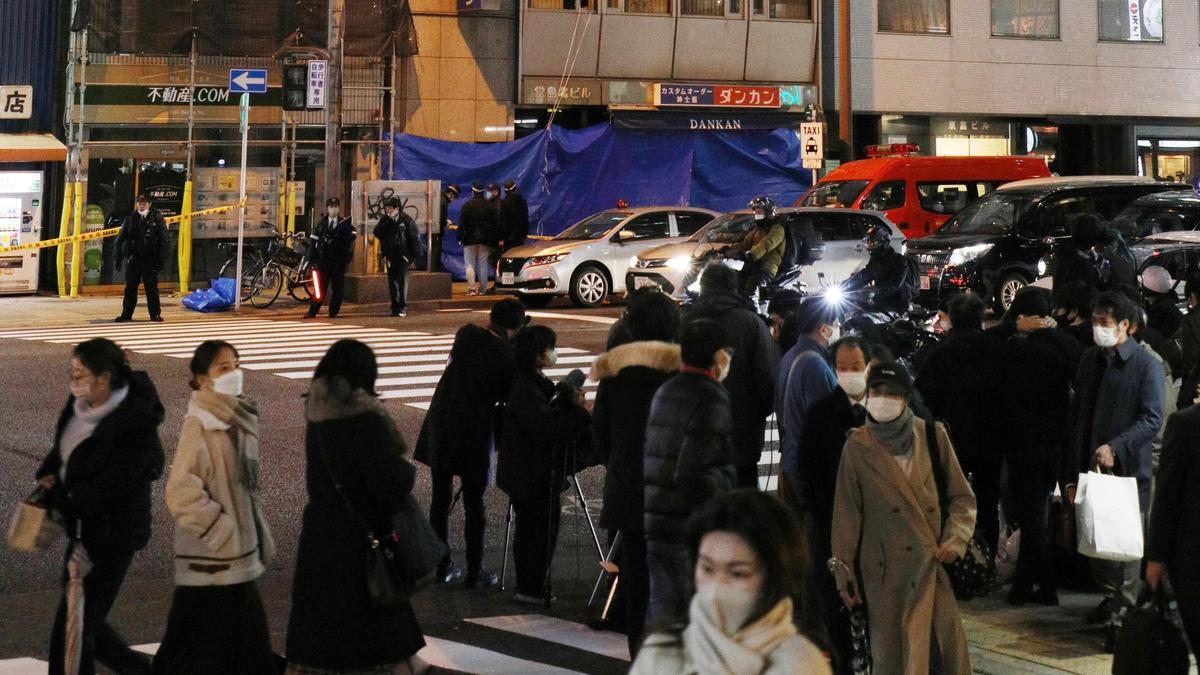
x=748, y=559
x=217, y=625
x=106, y=454
x=357, y=477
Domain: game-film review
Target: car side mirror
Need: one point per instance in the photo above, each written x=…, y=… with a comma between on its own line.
x=626, y=235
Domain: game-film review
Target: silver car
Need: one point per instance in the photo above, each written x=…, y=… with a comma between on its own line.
x=589, y=259
x=675, y=267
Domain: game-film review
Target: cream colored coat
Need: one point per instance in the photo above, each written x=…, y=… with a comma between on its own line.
x=221, y=538
x=889, y=527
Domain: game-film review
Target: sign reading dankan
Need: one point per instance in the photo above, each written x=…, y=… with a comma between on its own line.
x=716, y=95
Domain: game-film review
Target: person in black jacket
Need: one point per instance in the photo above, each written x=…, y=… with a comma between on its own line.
x=629, y=375
x=458, y=434
x=514, y=217
x=1173, y=542
x=449, y=194
x=476, y=228
x=142, y=246
x=1163, y=318
x=541, y=424
x=106, y=454
x=1096, y=255
x=399, y=246
x=751, y=381
x=1037, y=364
x=689, y=460
x=333, y=239
x=886, y=274
x=830, y=420
x=958, y=384
x=357, y=478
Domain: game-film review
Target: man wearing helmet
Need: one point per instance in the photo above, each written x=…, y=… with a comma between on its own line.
x=763, y=247
x=886, y=273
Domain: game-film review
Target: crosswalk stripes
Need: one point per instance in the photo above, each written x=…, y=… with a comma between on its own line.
x=522, y=643
x=411, y=362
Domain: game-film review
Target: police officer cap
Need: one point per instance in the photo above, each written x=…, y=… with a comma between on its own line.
x=453, y=189
x=333, y=201
x=476, y=187
x=892, y=374
x=494, y=187
x=509, y=185
x=508, y=314
x=392, y=203
x=142, y=199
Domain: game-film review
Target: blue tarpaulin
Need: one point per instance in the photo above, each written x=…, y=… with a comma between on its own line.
x=567, y=175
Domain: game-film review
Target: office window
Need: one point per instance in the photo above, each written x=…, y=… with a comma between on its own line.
x=569, y=5
x=787, y=9
x=709, y=7
x=914, y=16
x=1131, y=20
x=1025, y=18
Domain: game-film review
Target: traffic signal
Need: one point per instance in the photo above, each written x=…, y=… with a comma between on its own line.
x=295, y=87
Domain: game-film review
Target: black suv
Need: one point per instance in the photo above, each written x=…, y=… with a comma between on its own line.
x=1160, y=213
x=1005, y=240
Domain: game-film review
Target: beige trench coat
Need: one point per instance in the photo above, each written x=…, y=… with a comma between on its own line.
x=888, y=527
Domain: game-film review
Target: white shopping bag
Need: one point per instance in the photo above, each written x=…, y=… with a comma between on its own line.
x=1108, y=517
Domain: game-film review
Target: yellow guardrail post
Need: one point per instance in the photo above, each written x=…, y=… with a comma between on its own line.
x=63, y=224
x=76, y=244
x=291, y=207
x=185, y=239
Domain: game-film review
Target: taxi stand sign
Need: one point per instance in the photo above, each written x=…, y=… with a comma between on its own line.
x=812, y=144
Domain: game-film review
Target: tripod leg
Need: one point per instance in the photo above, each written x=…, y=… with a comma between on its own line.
x=588, y=514
x=607, y=567
x=507, y=543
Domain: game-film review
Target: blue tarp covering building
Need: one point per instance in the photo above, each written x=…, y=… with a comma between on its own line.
x=567, y=175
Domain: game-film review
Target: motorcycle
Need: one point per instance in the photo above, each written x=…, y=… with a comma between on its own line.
x=734, y=260
x=909, y=336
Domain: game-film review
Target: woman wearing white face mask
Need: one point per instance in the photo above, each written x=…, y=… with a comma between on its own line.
x=222, y=544
x=889, y=528
x=748, y=562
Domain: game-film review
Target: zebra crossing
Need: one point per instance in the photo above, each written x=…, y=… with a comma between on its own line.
x=520, y=643
x=410, y=362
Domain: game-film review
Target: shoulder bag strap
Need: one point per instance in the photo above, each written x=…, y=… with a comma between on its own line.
x=935, y=460
x=346, y=500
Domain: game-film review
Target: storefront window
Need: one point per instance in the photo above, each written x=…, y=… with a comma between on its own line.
x=914, y=16
x=1131, y=20
x=1025, y=18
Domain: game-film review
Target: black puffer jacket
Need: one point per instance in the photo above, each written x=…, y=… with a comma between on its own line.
x=751, y=381
x=629, y=376
x=477, y=222
x=105, y=497
x=536, y=438
x=514, y=219
x=689, y=453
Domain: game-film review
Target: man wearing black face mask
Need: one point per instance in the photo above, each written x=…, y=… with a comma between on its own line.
x=142, y=244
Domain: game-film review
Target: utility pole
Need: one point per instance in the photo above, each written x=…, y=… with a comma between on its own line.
x=333, y=111
x=845, y=96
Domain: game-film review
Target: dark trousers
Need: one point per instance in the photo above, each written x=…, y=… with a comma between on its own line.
x=821, y=613
x=140, y=273
x=1186, y=585
x=670, y=574
x=397, y=274
x=634, y=582
x=1031, y=485
x=983, y=465
x=333, y=284
x=747, y=476
x=439, y=515
x=534, y=542
x=100, y=641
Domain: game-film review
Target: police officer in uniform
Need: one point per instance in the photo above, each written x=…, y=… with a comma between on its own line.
x=399, y=247
x=334, y=239
x=141, y=246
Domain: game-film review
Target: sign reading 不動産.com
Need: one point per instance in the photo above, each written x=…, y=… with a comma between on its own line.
x=167, y=104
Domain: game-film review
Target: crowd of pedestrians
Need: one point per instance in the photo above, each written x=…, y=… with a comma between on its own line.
x=888, y=479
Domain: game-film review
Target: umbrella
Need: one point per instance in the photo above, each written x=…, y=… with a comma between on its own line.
x=77, y=568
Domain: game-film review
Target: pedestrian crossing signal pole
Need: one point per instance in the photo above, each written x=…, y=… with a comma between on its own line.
x=245, y=123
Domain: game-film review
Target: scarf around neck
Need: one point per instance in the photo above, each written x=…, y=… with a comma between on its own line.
x=238, y=415
x=897, y=435
x=715, y=647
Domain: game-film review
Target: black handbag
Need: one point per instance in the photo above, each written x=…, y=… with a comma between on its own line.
x=402, y=562
x=974, y=571
x=1151, y=641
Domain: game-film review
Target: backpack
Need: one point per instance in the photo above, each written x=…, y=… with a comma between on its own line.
x=911, y=286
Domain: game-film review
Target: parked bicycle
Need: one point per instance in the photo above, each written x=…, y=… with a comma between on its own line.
x=285, y=263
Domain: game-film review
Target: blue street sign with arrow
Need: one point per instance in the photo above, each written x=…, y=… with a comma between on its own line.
x=247, y=81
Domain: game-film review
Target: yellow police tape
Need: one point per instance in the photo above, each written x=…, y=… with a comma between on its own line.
x=110, y=232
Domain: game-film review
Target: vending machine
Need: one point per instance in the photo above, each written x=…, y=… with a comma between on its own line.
x=20, y=223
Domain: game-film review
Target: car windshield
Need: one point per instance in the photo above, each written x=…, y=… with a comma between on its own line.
x=1142, y=220
x=994, y=213
x=594, y=227
x=840, y=194
x=726, y=229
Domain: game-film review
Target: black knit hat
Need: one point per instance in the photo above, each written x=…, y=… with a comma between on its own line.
x=892, y=374
x=508, y=314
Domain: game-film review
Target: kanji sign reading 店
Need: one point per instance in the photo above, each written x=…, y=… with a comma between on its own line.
x=716, y=95
x=16, y=103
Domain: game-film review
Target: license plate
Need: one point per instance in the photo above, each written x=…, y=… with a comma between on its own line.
x=924, y=283
x=507, y=278
x=642, y=282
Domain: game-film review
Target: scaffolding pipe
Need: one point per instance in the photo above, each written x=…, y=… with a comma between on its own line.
x=392, y=118
x=191, y=148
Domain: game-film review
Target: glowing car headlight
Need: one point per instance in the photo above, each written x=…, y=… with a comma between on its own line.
x=968, y=253
x=682, y=263
x=547, y=259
